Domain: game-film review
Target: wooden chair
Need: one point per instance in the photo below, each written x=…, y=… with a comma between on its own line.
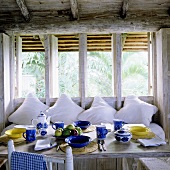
x=67, y=160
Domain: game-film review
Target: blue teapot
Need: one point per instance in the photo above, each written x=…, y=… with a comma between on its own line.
x=42, y=121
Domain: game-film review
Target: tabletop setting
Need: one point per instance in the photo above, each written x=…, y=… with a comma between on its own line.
x=81, y=135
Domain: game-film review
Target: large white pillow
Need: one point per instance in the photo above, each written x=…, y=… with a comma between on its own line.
x=99, y=112
x=29, y=110
x=64, y=110
x=136, y=111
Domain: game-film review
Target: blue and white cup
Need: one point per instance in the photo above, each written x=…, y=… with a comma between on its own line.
x=57, y=125
x=117, y=124
x=30, y=134
x=43, y=132
x=101, y=132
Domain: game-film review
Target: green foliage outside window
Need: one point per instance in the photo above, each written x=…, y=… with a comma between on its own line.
x=99, y=73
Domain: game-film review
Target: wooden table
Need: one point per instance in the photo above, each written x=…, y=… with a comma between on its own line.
x=96, y=159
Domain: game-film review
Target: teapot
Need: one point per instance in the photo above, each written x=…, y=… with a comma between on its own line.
x=42, y=121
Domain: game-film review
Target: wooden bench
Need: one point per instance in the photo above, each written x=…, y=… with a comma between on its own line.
x=152, y=164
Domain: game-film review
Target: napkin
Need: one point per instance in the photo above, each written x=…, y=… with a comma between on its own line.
x=45, y=144
x=152, y=142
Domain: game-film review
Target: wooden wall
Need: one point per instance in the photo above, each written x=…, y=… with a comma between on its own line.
x=5, y=103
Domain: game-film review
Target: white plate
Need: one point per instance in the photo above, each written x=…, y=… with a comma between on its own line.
x=23, y=126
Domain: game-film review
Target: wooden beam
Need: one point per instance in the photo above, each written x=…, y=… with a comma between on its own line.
x=24, y=9
x=42, y=39
x=82, y=67
x=74, y=9
x=124, y=35
x=124, y=9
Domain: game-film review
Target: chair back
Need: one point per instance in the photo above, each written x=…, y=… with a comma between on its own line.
x=51, y=162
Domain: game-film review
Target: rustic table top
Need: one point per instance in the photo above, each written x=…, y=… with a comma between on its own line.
x=115, y=149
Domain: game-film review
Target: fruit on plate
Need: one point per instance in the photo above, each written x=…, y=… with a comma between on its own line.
x=58, y=132
x=70, y=127
x=79, y=130
x=66, y=132
x=74, y=132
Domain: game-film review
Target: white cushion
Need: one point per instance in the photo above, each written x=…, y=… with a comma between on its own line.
x=64, y=110
x=29, y=110
x=136, y=111
x=99, y=112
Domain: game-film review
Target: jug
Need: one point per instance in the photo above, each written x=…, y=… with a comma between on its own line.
x=42, y=121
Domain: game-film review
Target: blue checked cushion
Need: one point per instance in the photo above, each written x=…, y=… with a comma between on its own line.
x=27, y=161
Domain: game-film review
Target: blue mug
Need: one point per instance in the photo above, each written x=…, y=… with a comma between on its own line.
x=101, y=132
x=117, y=124
x=57, y=125
x=30, y=134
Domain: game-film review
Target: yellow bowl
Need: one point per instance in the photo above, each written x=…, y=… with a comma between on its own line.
x=15, y=133
x=139, y=130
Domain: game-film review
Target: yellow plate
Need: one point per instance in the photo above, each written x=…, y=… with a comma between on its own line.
x=15, y=133
x=139, y=130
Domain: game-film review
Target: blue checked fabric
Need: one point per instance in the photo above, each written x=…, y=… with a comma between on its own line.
x=27, y=161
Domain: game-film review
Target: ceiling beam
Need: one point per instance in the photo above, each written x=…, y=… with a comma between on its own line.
x=24, y=9
x=74, y=9
x=124, y=9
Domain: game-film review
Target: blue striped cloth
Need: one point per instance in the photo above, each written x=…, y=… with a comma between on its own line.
x=27, y=161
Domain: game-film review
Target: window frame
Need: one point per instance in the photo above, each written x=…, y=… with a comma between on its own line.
x=51, y=55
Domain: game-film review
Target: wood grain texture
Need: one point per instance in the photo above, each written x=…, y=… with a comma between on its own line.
x=124, y=8
x=98, y=160
x=117, y=53
x=19, y=66
x=47, y=68
x=74, y=9
x=24, y=9
x=82, y=67
x=5, y=80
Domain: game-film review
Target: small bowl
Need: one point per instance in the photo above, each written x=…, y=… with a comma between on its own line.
x=15, y=133
x=82, y=124
x=139, y=130
x=123, y=136
x=78, y=141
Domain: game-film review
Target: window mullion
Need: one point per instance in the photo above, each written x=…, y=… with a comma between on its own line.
x=82, y=67
x=54, y=85
x=47, y=68
x=12, y=71
x=19, y=66
x=117, y=56
x=149, y=65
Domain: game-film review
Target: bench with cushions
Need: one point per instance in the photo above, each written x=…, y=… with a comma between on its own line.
x=134, y=111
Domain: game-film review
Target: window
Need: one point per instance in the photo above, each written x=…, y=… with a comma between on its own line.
x=135, y=73
x=99, y=73
x=33, y=73
x=69, y=73
x=99, y=69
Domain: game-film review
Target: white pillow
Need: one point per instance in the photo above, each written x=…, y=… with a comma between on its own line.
x=64, y=110
x=99, y=112
x=29, y=110
x=136, y=111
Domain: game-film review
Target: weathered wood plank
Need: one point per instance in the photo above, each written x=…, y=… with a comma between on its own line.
x=96, y=25
x=117, y=54
x=74, y=9
x=163, y=84
x=24, y=9
x=12, y=71
x=4, y=80
x=47, y=68
x=54, y=84
x=19, y=66
x=88, y=101
x=124, y=8
x=82, y=67
x=149, y=65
